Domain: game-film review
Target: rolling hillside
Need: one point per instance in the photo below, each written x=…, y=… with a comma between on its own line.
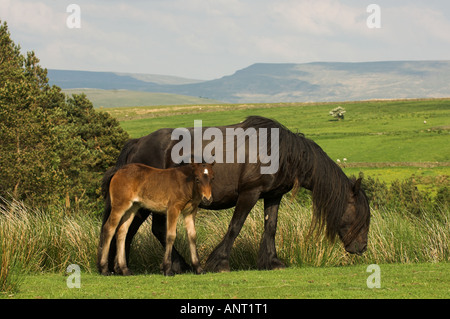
x=270, y=83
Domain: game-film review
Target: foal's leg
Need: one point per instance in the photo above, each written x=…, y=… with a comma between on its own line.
x=159, y=229
x=120, y=260
x=189, y=221
x=107, y=233
x=172, y=218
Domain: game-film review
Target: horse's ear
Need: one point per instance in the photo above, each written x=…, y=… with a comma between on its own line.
x=357, y=186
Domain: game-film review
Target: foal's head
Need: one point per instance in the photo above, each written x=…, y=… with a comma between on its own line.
x=203, y=176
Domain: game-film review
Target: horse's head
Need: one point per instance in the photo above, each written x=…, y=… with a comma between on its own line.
x=354, y=224
x=203, y=176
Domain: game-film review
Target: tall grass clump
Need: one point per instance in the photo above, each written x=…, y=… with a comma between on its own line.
x=32, y=240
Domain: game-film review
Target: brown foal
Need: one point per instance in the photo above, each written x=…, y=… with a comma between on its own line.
x=166, y=191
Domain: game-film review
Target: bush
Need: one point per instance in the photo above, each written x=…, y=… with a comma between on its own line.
x=402, y=195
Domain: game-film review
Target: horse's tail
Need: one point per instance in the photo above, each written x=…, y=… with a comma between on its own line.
x=121, y=161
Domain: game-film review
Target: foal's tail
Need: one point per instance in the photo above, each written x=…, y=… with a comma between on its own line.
x=121, y=161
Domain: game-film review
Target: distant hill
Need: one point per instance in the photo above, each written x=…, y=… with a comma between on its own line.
x=268, y=82
x=70, y=79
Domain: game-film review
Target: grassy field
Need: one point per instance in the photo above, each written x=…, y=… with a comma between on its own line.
x=411, y=249
x=396, y=280
x=389, y=140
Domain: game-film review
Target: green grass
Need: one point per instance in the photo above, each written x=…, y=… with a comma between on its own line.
x=397, y=281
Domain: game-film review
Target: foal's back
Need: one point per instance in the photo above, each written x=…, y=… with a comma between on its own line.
x=151, y=187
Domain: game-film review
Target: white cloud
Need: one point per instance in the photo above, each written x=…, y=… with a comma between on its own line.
x=416, y=23
x=325, y=17
x=32, y=16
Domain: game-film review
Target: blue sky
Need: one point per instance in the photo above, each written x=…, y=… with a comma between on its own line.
x=207, y=39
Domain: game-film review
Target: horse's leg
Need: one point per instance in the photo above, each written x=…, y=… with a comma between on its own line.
x=218, y=260
x=107, y=233
x=267, y=258
x=172, y=218
x=192, y=237
x=121, y=262
x=159, y=229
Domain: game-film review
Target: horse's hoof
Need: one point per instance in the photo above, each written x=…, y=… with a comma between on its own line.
x=273, y=264
x=221, y=265
x=277, y=264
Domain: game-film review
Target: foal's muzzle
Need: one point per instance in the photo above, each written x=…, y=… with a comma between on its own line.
x=206, y=201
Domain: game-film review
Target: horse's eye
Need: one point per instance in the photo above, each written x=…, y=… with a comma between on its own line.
x=197, y=180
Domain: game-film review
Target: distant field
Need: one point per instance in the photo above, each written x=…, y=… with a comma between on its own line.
x=124, y=98
x=412, y=135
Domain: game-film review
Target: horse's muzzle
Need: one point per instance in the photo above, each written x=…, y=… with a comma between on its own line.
x=356, y=249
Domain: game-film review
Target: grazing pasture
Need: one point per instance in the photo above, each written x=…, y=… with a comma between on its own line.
x=388, y=140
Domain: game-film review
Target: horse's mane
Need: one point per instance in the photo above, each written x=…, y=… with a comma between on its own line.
x=302, y=162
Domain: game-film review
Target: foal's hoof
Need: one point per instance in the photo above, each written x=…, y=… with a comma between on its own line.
x=169, y=273
x=200, y=271
x=127, y=272
x=123, y=271
x=104, y=271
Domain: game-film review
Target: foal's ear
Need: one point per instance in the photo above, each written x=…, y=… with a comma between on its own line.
x=357, y=186
x=193, y=165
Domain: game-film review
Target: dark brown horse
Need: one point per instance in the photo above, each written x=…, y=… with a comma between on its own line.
x=172, y=192
x=340, y=205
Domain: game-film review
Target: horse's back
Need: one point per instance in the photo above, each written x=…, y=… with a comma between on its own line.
x=151, y=149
